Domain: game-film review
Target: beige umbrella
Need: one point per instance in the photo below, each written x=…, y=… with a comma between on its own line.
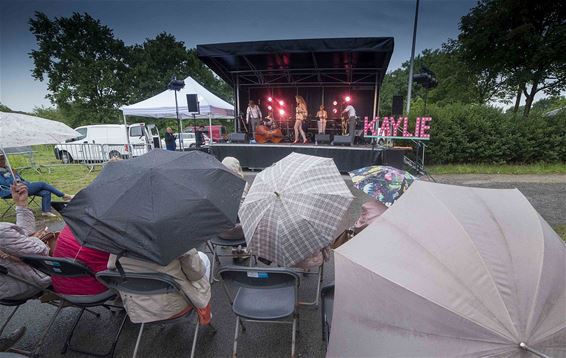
x=452, y=271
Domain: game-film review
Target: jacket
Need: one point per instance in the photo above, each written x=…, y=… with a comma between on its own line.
x=68, y=247
x=15, y=242
x=6, y=181
x=188, y=270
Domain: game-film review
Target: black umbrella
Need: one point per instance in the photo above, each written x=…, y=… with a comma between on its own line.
x=157, y=206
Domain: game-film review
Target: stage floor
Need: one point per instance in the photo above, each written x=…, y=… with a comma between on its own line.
x=260, y=156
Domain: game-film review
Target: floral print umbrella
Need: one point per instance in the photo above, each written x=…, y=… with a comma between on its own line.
x=383, y=183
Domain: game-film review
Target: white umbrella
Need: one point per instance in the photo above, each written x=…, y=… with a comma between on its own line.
x=21, y=130
x=295, y=208
x=452, y=271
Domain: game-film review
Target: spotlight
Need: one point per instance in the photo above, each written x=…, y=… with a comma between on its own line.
x=334, y=111
x=347, y=98
x=281, y=111
x=281, y=103
x=269, y=99
x=269, y=108
x=335, y=103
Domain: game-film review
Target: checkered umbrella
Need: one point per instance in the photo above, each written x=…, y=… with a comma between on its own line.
x=295, y=208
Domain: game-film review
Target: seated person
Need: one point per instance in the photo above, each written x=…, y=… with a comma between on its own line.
x=36, y=188
x=191, y=271
x=234, y=165
x=18, y=240
x=67, y=246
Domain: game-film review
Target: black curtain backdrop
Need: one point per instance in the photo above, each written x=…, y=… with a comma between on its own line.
x=361, y=99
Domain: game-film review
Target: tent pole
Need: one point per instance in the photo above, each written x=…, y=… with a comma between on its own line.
x=410, y=85
x=130, y=149
x=179, y=121
x=210, y=128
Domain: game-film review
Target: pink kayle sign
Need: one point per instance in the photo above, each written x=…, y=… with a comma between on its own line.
x=389, y=127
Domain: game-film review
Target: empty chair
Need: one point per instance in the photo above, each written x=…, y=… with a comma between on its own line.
x=263, y=295
x=236, y=240
x=73, y=269
x=148, y=284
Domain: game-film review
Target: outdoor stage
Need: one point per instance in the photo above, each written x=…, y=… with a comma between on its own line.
x=260, y=156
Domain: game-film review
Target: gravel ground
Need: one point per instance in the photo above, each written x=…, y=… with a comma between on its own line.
x=548, y=195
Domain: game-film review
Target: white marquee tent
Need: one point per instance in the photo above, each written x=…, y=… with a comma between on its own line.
x=162, y=105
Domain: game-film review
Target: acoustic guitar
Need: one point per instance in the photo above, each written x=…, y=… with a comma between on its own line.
x=263, y=135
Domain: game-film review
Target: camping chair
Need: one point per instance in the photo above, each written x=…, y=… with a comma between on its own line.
x=217, y=242
x=148, y=284
x=327, y=306
x=10, y=203
x=70, y=268
x=17, y=303
x=267, y=295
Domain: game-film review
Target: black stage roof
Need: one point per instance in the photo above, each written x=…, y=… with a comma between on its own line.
x=304, y=62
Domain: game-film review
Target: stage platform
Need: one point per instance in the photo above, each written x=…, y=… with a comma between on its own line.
x=260, y=156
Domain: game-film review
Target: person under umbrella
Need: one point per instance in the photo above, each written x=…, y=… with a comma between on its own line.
x=383, y=183
x=156, y=207
x=456, y=272
x=295, y=208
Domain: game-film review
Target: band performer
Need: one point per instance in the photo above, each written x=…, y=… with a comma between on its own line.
x=253, y=116
x=300, y=115
x=350, y=111
x=322, y=117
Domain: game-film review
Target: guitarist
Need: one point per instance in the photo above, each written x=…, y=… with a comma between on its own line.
x=350, y=113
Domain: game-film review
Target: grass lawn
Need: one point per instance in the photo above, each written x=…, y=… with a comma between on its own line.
x=542, y=168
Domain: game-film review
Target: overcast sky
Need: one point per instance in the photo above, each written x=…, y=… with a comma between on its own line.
x=200, y=22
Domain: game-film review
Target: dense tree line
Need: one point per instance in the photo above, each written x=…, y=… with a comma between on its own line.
x=506, y=50
x=90, y=73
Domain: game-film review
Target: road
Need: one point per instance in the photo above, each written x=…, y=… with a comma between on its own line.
x=546, y=193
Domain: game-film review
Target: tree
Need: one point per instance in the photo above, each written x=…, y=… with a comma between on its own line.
x=84, y=65
x=456, y=83
x=521, y=42
x=153, y=64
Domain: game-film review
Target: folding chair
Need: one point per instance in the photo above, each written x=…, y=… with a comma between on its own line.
x=148, y=284
x=70, y=268
x=319, y=273
x=217, y=242
x=267, y=295
x=327, y=306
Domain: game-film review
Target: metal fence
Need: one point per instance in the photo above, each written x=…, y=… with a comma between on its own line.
x=96, y=154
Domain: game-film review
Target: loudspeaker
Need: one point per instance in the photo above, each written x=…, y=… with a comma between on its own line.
x=237, y=137
x=342, y=140
x=192, y=103
x=322, y=138
x=397, y=105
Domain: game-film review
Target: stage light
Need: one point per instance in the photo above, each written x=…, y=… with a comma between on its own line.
x=334, y=111
x=281, y=111
x=269, y=108
x=335, y=103
x=281, y=103
x=347, y=98
x=269, y=99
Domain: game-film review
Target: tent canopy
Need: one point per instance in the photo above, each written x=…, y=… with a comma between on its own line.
x=315, y=61
x=162, y=105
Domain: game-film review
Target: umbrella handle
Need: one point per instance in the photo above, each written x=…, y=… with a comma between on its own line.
x=8, y=163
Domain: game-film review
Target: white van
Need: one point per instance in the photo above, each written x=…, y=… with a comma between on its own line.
x=102, y=142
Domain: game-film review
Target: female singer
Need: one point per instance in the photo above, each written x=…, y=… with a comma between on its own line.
x=300, y=115
x=322, y=117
